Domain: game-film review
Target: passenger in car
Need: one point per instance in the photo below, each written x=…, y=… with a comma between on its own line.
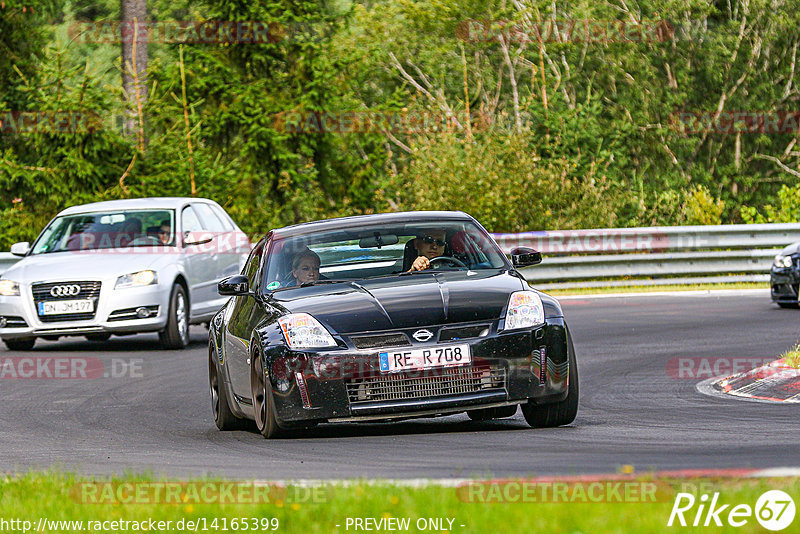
x=131, y=229
x=429, y=244
x=305, y=267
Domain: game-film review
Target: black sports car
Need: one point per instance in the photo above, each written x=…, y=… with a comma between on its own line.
x=388, y=316
x=785, y=277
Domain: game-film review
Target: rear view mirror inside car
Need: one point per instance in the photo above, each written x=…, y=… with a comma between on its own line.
x=378, y=240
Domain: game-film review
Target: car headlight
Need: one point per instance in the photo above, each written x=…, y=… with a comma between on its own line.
x=142, y=278
x=302, y=331
x=9, y=288
x=782, y=262
x=525, y=310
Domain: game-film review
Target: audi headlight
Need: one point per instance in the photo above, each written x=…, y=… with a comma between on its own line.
x=302, y=331
x=525, y=310
x=9, y=288
x=782, y=262
x=142, y=278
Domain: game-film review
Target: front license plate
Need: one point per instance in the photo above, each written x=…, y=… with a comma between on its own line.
x=59, y=307
x=404, y=360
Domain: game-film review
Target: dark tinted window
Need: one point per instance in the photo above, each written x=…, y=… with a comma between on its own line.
x=251, y=267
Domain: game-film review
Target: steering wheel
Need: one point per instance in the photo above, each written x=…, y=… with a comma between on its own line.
x=145, y=240
x=448, y=259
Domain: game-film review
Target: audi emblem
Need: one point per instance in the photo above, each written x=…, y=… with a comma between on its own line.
x=422, y=335
x=65, y=291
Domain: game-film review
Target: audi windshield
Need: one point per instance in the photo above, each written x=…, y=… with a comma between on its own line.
x=103, y=230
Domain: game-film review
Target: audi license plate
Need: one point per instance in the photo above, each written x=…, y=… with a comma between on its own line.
x=405, y=360
x=59, y=307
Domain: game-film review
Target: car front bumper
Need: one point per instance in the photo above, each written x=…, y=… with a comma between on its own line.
x=784, y=284
x=115, y=313
x=507, y=369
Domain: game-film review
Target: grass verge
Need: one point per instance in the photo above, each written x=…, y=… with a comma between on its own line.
x=326, y=508
x=792, y=357
x=650, y=289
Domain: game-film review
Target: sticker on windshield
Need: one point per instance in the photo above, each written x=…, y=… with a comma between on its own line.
x=273, y=285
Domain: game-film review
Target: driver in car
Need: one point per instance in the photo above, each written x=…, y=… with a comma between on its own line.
x=305, y=267
x=430, y=244
x=165, y=233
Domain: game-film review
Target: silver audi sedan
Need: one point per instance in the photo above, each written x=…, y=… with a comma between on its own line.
x=121, y=267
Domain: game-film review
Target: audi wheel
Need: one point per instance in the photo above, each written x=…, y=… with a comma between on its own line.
x=176, y=333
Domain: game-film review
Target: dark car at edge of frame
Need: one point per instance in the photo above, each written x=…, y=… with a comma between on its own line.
x=785, y=277
x=371, y=341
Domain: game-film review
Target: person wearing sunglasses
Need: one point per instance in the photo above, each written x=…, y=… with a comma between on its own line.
x=430, y=244
x=165, y=233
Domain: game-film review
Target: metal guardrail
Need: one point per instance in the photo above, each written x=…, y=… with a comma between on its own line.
x=656, y=255
x=666, y=255
x=7, y=260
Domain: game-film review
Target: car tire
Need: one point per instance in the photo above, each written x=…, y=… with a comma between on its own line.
x=223, y=416
x=487, y=414
x=791, y=305
x=562, y=412
x=98, y=337
x=20, y=344
x=176, y=333
x=263, y=404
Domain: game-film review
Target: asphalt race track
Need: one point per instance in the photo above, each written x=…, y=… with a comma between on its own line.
x=156, y=417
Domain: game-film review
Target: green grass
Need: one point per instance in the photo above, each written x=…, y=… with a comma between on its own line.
x=792, y=357
x=650, y=289
x=59, y=496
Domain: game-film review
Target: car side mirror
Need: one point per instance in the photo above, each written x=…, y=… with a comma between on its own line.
x=20, y=249
x=196, y=238
x=524, y=257
x=234, y=286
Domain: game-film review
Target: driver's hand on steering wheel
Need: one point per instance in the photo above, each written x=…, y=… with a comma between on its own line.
x=420, y=264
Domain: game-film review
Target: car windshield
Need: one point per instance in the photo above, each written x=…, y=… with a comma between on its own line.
x=104, y=230
x=380, y=250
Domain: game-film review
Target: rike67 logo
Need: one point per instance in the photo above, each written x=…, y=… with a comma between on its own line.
x=774, y=510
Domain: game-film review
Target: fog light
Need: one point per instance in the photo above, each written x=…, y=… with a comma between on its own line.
x=142, y=313
x=3, y=322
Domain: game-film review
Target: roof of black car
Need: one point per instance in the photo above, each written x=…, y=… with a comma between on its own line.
x=366, y=220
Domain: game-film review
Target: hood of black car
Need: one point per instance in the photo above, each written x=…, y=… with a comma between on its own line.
x=408, y=301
